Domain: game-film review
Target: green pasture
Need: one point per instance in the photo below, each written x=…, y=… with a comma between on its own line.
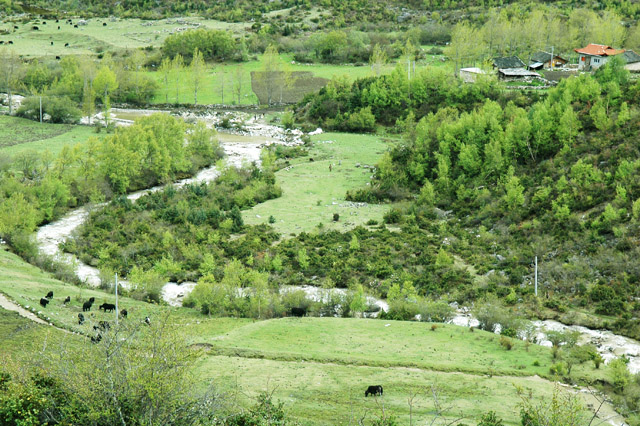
x=18, y=135
x=318, y=367
x=311, y=194
x=94, y=37
x=330, y=394
x=222, y=79
x=26, y=284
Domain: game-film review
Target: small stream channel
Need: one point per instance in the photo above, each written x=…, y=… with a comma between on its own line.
x=243, y=146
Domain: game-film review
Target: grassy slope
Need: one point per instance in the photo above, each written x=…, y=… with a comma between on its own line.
x=308, y=184
x=343, y=356
x=19, y=135
x=94, y=37
x=26, y=284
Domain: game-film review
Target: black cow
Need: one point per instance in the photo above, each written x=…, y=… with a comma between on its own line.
x=44, y=301
x=9, y=42
x=104, y=24
x=92, y=299
x=57, y=58
x=57, y=20
x=44, y=22
x=52, y=43
x=49, y=295
x=66, y=45
x=147, y=320
x=373, y=390
x=124, y=313
x=15, y=27
x=58, y=26
x=96, y=339
x=75, y=26
x=108, y=307
x=298, y=312
x=35, y=28
x=80, y=319
x=86, y=306
x=67, y=300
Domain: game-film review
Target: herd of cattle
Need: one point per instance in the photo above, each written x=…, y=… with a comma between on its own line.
x=102, y=326
x=37, y=28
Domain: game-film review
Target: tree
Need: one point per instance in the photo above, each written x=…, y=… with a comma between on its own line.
x=238, y=74
x=10, y=65
x=272, y=75
x=165, y=69
x=135, y=372
x=197, y=73
x=177, y=68
x=378, y=59
x=464, y=45
x=105, y=83
x=514, y=196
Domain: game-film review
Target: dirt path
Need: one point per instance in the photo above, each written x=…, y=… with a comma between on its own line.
x=7, y=304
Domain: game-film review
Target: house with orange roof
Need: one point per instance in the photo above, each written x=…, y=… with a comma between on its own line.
x=593, y=56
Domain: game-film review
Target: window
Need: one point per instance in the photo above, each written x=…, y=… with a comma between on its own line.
x=596, y=60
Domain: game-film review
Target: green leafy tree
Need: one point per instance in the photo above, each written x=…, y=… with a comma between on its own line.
x=105, y=83
x=197, y=69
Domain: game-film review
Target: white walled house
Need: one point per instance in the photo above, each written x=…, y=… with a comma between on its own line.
x=593, y=56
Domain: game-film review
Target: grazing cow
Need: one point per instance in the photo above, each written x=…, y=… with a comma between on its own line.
x=44, y=22
x=10, y=42
x=57, y=58
x=66, y=45
x=35, y=28
x=57, y=20
x=147, y=320
x=373, y=390
x=108, y=307
x=67, y=300
x=92, y=299
x=96, y=339
x=298, y=312
x=104, y=24
x=52, y=43
x=86, y=306
x=49, y=295
x=311, y=160
x=44, y=302
x=58, y=26
x=124, y=313
x=80, y=319
x=15, y=27
x=75, y=26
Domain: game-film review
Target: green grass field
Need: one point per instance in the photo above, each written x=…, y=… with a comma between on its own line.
x=311, y=194
x=18, y=135
x=222, y=78
x=95, y=38
x=318, y=367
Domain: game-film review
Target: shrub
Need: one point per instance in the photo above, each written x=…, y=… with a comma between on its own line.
x=490, y=419
x=506, y=343
x=436, y=311
x=557, y=369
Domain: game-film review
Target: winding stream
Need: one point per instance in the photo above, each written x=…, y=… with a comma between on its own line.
x=239, y=147
x=246, y=146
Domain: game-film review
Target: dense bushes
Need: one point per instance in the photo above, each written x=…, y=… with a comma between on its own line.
x=55, y=110
x=215, y=45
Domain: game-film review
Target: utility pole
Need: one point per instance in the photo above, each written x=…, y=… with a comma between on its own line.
x=116, y=299
x=535, y=279
x=40, y=109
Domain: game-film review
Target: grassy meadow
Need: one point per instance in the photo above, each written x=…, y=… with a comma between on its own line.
x=95, y=38
x=318, y=367
x=19, y=135
x=221, y=81
x=311, y=194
